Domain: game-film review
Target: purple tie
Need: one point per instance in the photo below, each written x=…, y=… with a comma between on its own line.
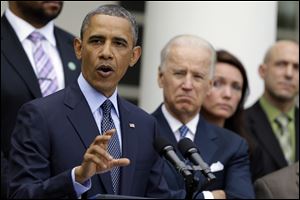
x=45, y=71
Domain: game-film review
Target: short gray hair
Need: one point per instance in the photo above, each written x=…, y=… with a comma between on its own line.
x=189, y=40
x=112, y=10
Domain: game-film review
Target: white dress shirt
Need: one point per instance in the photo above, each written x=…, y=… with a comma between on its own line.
x=175, y=124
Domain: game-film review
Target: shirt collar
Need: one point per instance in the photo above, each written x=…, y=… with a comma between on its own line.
x=23, y=29
x=175, y=124
x=273, y=112
x=94, y=98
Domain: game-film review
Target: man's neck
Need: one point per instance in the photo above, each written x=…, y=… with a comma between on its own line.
x=283, y=106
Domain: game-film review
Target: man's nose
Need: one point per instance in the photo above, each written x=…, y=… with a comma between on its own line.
x=106, y=52
x=289, y=71
x=188, y=82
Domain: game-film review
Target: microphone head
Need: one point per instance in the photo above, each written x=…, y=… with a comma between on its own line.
x=160, y=145
x=186, y=146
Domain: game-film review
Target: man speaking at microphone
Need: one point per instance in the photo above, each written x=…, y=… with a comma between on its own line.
x=85, y=139
x=185, y=75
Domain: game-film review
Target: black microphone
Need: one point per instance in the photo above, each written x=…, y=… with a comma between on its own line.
x=190, y=151
x=164, y=148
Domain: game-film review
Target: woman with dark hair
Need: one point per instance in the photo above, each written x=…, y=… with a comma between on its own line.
x=224, y=104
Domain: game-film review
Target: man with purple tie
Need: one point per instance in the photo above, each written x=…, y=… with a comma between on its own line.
x=37, y=59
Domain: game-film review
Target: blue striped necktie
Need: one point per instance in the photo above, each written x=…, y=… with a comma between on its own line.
x=45, y=71
x=113, y=145
x=183, y=131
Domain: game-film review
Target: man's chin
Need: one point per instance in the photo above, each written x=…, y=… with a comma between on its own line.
x=185, y=108
x=285, y=97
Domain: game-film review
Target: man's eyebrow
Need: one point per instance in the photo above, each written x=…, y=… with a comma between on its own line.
x=120, y=39
x=95, y=37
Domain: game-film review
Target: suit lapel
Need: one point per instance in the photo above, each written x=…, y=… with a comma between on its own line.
x=13, y=50
x=204, y=140
x=165, y=129
x=266, y=137
x=129, y=146
x=83, y=122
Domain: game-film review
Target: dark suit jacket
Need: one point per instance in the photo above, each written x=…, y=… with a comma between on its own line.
x=52, y=135
x=282, y=184
x=215, y=144
x=258, y=126
x=19, y=83
x=4, y=178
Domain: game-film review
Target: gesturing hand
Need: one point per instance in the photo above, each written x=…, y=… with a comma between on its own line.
x=97, y=159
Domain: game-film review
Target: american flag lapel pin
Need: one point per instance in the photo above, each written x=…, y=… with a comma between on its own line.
x=131, y=125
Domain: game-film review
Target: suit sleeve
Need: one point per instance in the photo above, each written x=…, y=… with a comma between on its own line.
x=30, y=165
x=262, y=190
x=238, y=181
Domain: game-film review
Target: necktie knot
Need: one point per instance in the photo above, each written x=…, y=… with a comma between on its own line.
x=183, y=131
x=35, y=37
x=106, y=107
x=282, y=120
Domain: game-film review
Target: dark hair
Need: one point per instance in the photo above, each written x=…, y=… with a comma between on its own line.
x=236, y=122
x=112, y=10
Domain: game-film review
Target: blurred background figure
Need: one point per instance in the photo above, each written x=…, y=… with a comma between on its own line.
x=281, y=184
x=37, y=59
x=273, y=121
x=224, y=104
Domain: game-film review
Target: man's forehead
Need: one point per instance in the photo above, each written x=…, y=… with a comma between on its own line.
x=106, y=25
x=285, y=51
x=102, y=18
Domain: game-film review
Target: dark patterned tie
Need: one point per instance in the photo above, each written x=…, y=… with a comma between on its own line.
x=45, y=71
x=113, y=145
x=183, y=131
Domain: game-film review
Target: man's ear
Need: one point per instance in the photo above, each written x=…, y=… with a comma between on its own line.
x=160, y=77
x=136, y=53
x=77, y=47
x=262, y=70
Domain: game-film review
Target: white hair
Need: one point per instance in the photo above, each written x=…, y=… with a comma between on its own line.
x=191, y=41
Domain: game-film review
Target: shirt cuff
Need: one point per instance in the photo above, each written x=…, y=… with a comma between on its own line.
x=208, y=195
x=80, y=188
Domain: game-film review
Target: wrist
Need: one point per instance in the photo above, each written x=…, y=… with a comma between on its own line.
x=78, y=175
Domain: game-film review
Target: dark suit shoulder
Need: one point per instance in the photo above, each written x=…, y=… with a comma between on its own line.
x=138, y=112
x=48, y=104
x=63, y=33
x=225, y=135
x=254, y=110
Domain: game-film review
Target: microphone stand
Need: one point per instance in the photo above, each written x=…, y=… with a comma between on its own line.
x=189, y=186
x=192, y=183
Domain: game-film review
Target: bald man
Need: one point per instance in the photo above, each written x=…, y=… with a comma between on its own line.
x=273, y=120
